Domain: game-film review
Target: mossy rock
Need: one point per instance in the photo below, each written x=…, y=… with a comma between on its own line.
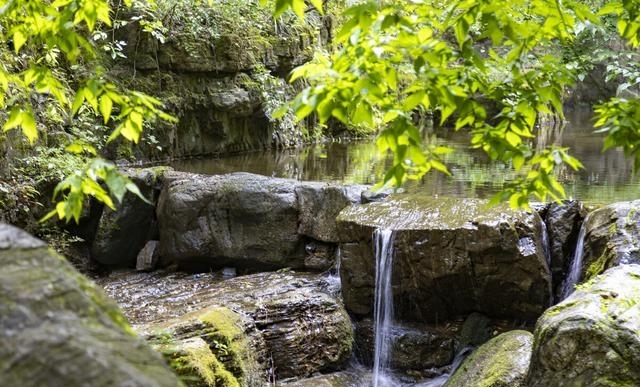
x=58, y=329
x=501, y=362
x=211, y=348
x=591, y=338
x=289, y=324
x=612, y=238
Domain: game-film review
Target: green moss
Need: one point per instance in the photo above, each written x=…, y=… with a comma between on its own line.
x=495, y=363
x=557, y=309
x=598, y=266
x=227, y=338
x=606, y=381
x=197, y=366
x=211, y=349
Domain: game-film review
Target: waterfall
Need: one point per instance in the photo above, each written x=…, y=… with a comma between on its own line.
x=576, y=265
x=383, y=306
x=546, y=247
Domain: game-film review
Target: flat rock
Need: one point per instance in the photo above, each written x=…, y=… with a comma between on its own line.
x=452, y=257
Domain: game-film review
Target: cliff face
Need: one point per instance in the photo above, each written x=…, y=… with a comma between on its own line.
x=221, y=70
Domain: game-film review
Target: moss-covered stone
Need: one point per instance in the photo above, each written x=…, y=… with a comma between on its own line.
x=266, y=326
x=591, y=338
x=58, y=329
x=501, y=362
x=612, y=238
x=210, y=348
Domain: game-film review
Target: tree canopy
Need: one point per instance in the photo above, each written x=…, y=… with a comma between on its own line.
x=488, y=67
x=62, y=32
x=481, y=65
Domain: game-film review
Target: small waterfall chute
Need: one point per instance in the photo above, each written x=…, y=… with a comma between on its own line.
x=383, y=307
x=575, y=271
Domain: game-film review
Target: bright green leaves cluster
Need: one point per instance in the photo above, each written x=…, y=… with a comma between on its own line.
x=44, y=34
x=91, y=181
x=628, y=14
x=619, y=118
x=134, y=108
x=477, y=65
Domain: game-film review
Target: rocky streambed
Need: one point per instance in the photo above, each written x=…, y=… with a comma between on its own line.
x=247, y=281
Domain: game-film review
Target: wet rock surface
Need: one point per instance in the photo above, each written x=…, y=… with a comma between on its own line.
x=452, y=257
x=294, y=323
x=501, y=362
x=591, y=338
x=612, y=238
x=59, y=329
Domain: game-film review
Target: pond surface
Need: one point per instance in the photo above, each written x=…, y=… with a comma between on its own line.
x=607, y=177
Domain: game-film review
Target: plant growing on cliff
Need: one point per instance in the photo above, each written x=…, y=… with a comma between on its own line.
x=478, y=65
x=45, y=35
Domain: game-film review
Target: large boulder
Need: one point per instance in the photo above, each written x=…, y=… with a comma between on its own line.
x=58, y=329
x=591, y=338
x=240, y=220
x=123, y=232
x=501, y=362
x=249, y=221
x=452, y=257
x=260, y=327
x=611, y=238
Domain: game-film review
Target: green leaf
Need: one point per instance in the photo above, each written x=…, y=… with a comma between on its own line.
x=518, y=161
x=363, y=114
x=413, y=100
x=19, y=39
x=29, y=126
x=440, y=167
x=513, y=139
x=77, y=101
x=106, y=104
x=14, y=120
x=298, y=7
x=280, y=111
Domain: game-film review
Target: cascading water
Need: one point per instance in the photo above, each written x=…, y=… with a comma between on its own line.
x=546, y=247
x=576, y=265
x=383, y=306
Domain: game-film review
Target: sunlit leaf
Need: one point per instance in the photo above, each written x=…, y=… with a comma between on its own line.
x=19, y=39
x=106, y=104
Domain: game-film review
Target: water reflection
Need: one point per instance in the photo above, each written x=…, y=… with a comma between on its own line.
x=607, y=177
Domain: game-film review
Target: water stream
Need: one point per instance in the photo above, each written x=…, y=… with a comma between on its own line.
x=576, y=265
x=383, y=307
